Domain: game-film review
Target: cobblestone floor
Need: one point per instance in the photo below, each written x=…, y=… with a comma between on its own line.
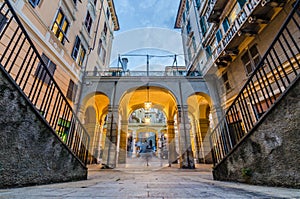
x=149, y=182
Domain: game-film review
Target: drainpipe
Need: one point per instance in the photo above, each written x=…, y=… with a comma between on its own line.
x=88, y=55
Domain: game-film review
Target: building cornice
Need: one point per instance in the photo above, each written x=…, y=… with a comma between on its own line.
x=179, y=14
x=114, y=14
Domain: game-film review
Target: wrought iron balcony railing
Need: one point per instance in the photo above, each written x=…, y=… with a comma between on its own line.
x=277, y=71
x=139, y=73
x=235, y=27
x=22, y=61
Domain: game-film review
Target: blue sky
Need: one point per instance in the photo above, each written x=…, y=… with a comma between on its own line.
x=147, y=27
x=146, y=13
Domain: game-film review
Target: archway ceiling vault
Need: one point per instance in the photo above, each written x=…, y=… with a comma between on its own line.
x=100, y=102
x=160, y=98
x=197, y=105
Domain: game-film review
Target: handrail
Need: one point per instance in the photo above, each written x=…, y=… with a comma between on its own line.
x=119, y=73
x=276, y=71
x=21, y=59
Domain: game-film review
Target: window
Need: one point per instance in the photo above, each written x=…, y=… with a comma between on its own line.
x=226, y=82
x=250, y=59
x=194, y=44
x=34, y=3
x=198, y=4
x=225, y=24
x=189, y=54
x=241, y=2
x=105, y=29
x=78, y=53
x=3, y=21
x=88, y=22
x=60, y=26
x=187, y=5
x=103, y=55
x=219, y=35
x=63, y=130
x=99, y=46
x=41, y=73
x=72, y=89
x=107, y=13
x=203, y=25
x=95, y=2
x=208, y=51
x=188, y=27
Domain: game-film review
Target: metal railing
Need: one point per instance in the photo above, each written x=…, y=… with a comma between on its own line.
x=277, y=70
x=235, y=27
x=138, y=73
x=20, y=58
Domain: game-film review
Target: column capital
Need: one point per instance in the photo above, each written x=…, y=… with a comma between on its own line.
x=124, y=122
x=170, y=122
x=182, y=107
x=112, y=108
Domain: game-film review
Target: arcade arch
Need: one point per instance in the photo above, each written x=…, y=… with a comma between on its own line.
x=95, y=108
x=199, y=109
x=134, y=101
x=186, y=106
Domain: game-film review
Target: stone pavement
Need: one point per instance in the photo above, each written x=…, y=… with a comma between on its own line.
x=149, y=182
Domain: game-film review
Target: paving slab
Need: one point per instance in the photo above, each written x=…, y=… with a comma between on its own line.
x=152, y=183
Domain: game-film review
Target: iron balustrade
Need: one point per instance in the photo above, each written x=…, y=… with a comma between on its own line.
x=235, y=27
x=20, y=58
x=139, y=73
x=277, y=70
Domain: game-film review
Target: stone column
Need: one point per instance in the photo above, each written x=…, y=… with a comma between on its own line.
x=110, y=149
x=99, y=148
x=171, y=142
x=133, y=144
x=123, y=142
x=187, y=159
x=201, y=153
x=204, y=137
x=196, y=140
x=97, y=142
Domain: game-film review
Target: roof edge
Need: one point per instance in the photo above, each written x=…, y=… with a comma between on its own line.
x=114, y=15
x=179, y=14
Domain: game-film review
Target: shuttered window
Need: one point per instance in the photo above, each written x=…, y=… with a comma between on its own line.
x=250, y=59
x=60, y=27
x=219, y=35
x=72, y=90
x=41, y=73
x=3, y=21
x=78, y=53
x=225, y=24
x=34, y=3
x=88, y=22
x=203, y=25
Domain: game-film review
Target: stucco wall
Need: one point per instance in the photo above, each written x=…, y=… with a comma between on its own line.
x=270, y=154
x=31, y=153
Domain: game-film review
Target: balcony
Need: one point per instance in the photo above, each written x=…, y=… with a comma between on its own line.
x=248, y=23
x=120, y=73
x=215, y=10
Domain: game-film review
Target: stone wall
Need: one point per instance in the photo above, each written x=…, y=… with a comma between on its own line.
x=31, y=153
x=270, y=155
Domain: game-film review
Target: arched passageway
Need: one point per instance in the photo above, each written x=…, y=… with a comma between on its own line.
x=199, y=107
x=95, y=111
x=180, y=137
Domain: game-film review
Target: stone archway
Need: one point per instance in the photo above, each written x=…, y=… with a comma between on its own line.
x=199, y=106
x=134, y=99
x=126, y=94
x=95, y=108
